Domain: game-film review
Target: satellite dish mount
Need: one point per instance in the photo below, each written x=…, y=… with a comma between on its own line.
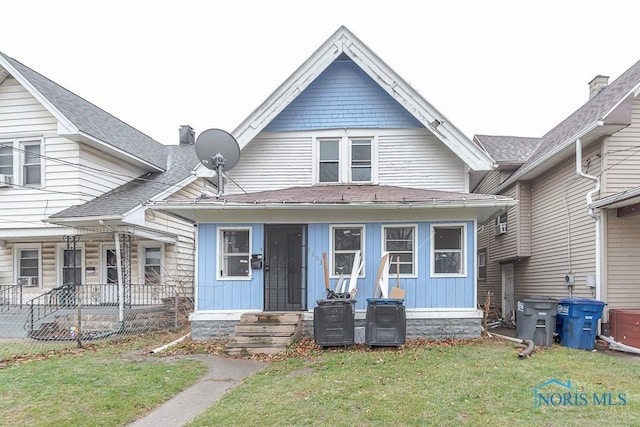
x=217, y=150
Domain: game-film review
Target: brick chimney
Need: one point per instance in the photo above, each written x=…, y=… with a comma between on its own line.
x=187, y=135
x=598, y=83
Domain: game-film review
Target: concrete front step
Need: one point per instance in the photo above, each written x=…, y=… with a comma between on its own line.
x=252, y=350
x=272, y=330
x=239, y=341
x=265, y=333
x=286, y=318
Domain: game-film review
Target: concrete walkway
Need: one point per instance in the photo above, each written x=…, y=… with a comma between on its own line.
x=223, y=375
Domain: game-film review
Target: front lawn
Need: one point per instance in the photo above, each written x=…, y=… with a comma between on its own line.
x=110, y=384
x=479, y=383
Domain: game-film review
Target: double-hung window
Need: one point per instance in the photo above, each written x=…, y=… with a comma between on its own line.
x=234, y=251
x=21, y=163
x=28, y=264
x=346, y=241
x=482, y=264
x=448, y=250
x=361, y=160
x=329, y=166
x=345, y=160
x=400, y=243
x=151, y=255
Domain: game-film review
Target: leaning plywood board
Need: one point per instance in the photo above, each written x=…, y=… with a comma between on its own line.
x=384, y=263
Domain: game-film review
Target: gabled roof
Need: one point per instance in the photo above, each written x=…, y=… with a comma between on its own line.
x=343, y=42
x=605, y=113
x=120, y=201
x=508, y=150
x=76, y=116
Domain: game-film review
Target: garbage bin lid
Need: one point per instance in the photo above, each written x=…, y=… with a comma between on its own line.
x=581, y=301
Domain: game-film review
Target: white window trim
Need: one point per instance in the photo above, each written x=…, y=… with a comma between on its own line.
x=19, y=155
x=142, y=246
x=344, y=157
x=415, y=246
x=332, y=268
x=463, y=258
x=219, y=253
x=16, y=261
x=60, y=248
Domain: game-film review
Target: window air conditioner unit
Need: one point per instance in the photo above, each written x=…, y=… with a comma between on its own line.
x=501, y=228
x=6, y=180
x=28, y=281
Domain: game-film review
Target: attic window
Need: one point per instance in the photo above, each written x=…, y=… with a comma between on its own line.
x=345, y=160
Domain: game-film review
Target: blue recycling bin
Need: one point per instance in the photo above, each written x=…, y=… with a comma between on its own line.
x=577, y=322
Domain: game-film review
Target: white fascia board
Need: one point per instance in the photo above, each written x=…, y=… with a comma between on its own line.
x=570, y=141
x=419, y=107
x=63, y=121
x=43, y=232
x=435, y=204
x=136, y=215
x=287, y=92
x=108, y=147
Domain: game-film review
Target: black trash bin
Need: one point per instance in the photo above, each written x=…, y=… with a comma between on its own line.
x=386, y=322
x=333, y=322
x=536, y=319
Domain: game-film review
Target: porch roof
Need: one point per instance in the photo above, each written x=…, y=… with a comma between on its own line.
x=323, y=198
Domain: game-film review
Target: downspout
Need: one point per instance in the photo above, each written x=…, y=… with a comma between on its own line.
x=592, y=213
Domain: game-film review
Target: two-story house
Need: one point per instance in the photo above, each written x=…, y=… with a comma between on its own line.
x=73, y=182
x=575, y=231
x=344, y=158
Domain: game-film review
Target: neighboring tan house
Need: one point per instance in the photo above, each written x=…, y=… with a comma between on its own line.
x=575, y=231
x=343, y=157
x=73, y=182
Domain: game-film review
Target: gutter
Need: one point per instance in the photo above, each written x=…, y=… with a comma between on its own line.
x=596, y=217
x=435, y=204
x=515, y=177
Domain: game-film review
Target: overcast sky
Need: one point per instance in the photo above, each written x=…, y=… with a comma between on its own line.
x=491, y=67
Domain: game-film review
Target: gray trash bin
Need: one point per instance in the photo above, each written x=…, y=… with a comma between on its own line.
x=333, y=322
x=536, y=319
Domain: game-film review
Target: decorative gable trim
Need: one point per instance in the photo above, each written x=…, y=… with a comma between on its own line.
x=344, y=42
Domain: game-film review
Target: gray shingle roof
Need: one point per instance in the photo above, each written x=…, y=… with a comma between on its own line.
x=509, y=149
x=92, y=120
x=593, y=110
x=181, y=161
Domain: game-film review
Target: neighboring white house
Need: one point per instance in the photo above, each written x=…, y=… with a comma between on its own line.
x=344, y=158
x=576, y=229
x=73, y=182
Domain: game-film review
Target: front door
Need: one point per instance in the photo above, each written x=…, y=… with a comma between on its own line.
x=507, y=293
x=109, y=287
x=285, y=285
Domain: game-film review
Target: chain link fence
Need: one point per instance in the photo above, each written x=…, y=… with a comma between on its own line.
x=72, y=315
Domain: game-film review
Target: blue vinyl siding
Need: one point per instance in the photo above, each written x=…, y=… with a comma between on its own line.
x=423, y=291
x=343, y=96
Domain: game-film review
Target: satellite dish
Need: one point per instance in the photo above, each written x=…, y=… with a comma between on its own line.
x=217, y=150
